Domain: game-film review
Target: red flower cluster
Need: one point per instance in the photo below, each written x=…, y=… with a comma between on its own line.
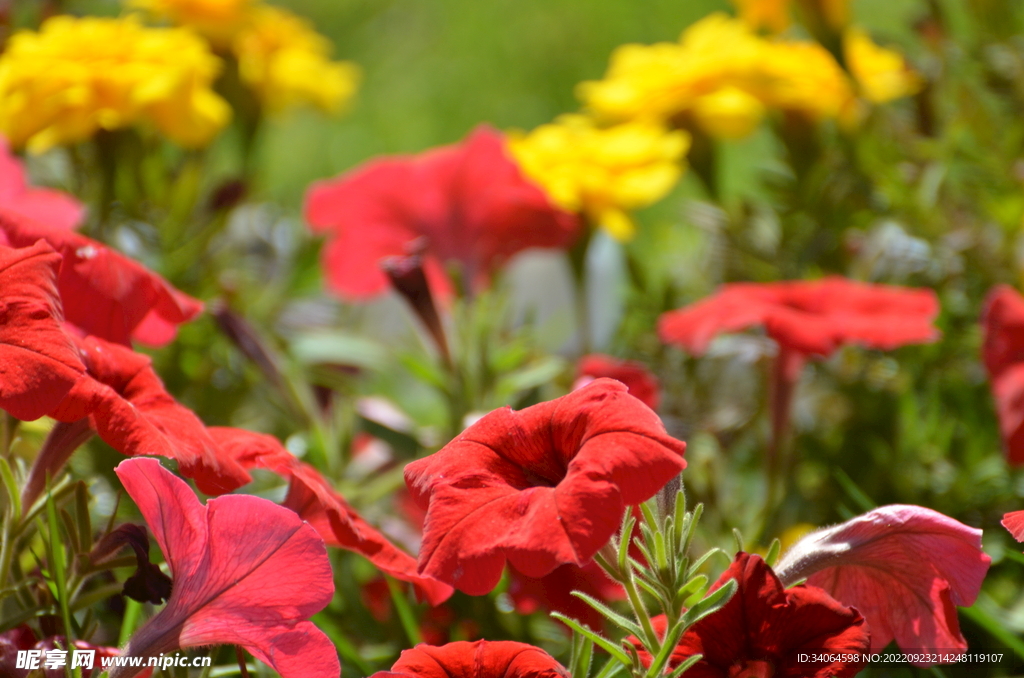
x=466, y=204
x=541, y=487
x=764, y=628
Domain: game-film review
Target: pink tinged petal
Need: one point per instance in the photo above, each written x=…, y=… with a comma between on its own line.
x=256, y=592
x=55, y=208
x=1014, y=522
x=39, y=364
x=905, y=568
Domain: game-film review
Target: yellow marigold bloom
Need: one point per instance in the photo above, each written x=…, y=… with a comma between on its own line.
x=77, y=76
x=772, y=15
x=601, y=172
x=217, y=20
x=883, y=74
x=721, y=76
x=286, y=62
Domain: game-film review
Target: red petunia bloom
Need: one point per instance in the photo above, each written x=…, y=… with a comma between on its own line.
x=906, y=568
x=41, y=204
x=104, y=293
x=541, y=487
x=257, y=591
x=480, y=659
x=1003, y=353
x=38, y=362
x=764, y=628
x=467, y=203
x=638, y=379
x=806, y=319
x=316, y=501
x=1014, y=524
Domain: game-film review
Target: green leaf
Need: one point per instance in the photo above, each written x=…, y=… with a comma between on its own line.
x=602, y=642
x=610, y=614
x=7, y=476
x=405, y=613
x=533, y=375
x=668, y=645
x=130, y=620
x=681, y=669
x=710, y=603
x=737, y=538
x=57, y=567
x=855, y=494
x=341, y=348
x=773, y=552
x=82, y=516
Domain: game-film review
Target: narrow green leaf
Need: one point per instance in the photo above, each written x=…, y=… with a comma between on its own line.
x=405, y=613
x=607, y=645
x=691, y=527
x=668, y=645
x=130, y=621
x=773, y=552
x=692, y=586
x=649, y=519
x=986, y=620
x=703, y=559
x=7, y=476
x=610, y=614
x=71, y=529
x=627, y=531
x=737, y=538
x=855, y=494
x=681, y=669
x=710, y=603
x=82, y=516
x=58, y=572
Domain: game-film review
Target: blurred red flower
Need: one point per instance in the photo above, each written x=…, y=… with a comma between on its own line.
x=41, y=204
x=905, y=568
x=316, y=501
x=38, y=362
x=553, y=592
x=764, y=628
x=257, y=591
x=1003, y=353
x=467, y=203
x=480, y=659
x=638, y=379
x=541, y=487
x=104, y=293
x=1014, y=523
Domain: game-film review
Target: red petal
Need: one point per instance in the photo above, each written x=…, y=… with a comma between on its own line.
x=541, y=487
x=480, y=659
x=255, y=592
x=638, y=379
x=38, y=361
x=1014, y=522
x=55, y=208
x=132, y=412
x=105, y=293
x=1003, y=353
x=553, y=592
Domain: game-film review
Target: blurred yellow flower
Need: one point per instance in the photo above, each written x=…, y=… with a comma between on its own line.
x=772, y=15
x=286, y=62
x=77, y=76
x=882, y=74
x=217, y=20
x=601, y=172
x=722, y=77
x=834, y=14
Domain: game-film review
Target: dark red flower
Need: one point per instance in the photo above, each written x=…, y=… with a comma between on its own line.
x=128, y=407
x=638, y=379
x=38, y=362
x=906, y=568
x=480, y=659
x=468, y=202
x=541, y=487
x=42, y=204
x=104, y=293
x=246, y=572
x=764, y=628
x=1003, y=353
x=316, y=501
x=553, y=592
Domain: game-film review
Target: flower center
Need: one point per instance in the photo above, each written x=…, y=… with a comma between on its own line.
x=754, y=668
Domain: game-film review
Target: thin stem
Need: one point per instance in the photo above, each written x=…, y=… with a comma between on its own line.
x=652, y=641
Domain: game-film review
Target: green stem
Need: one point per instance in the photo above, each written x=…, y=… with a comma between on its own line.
x=652, y=641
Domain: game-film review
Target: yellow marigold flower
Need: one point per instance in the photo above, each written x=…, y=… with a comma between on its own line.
x=722, y=77
x=77, y=76
x=883, y=74
x=285, y=61
x=601, y=172
x=772, y=15
x=217, y=20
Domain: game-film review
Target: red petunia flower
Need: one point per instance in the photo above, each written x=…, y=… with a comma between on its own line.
x=124, y=401
x=1014, y=524
x=467, y=203
x=764, y=628
x=480, y=659
x=638, y=379
x=906, y=568
x=541, y=487
x=806, y=319
x=38, y=362
x=104, y=293
x=41, y=204
x=257, y=591
x=316, y=501
x=1003, y=353
x=553, y=592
